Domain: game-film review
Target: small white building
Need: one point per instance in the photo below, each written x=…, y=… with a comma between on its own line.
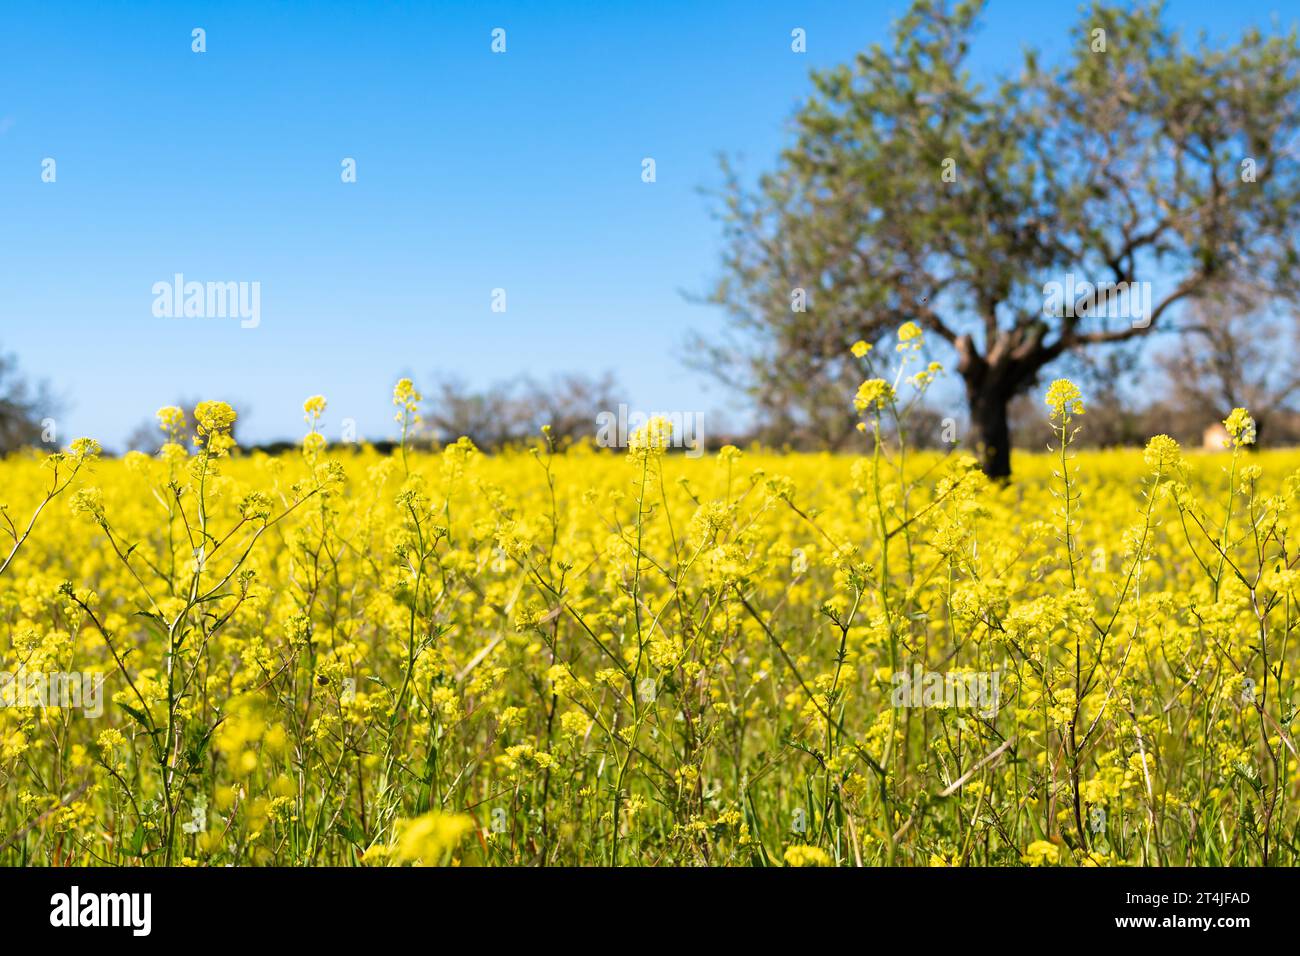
x=1216, y=438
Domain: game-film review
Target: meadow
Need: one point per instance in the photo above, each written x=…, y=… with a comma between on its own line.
x=584, y=656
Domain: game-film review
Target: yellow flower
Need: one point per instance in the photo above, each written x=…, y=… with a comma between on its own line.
x=314, y=407
x=574, y=723
x=171, y=419
x=873, y=393
x=427, y=839
x=89, y=503
x=800, y=855
x=651, y=439
x=1064, y=399
x=214, y=420
x=405, y=396
x=1041, y=853
x=313, y=443
x=1241, y=427
x=85, y=449
x=1163, y=455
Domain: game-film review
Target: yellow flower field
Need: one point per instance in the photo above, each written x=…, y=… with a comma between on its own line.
x=337, y=657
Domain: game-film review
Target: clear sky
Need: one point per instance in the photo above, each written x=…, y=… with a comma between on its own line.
x=475, y=171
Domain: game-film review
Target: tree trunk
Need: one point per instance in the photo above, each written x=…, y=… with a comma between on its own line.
x=989, y=390
x=988, y=415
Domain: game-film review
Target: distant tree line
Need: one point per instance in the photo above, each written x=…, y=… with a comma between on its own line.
x=24, y=406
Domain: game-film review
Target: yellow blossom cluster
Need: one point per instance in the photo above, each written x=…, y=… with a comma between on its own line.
x=580, y=656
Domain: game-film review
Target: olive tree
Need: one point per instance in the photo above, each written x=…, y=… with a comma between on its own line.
x=1054, y=209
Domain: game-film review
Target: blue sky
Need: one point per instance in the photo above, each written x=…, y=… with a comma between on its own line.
x=476, y=171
